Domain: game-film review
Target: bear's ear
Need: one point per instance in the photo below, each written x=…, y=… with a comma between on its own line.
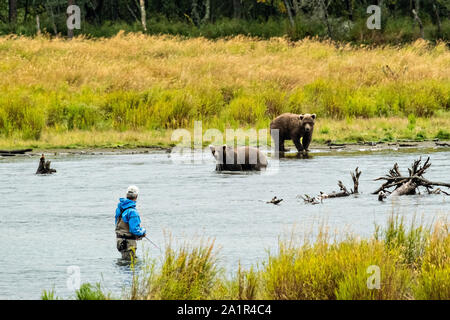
x=301, y=117
x=313, y=116
x=213, y=149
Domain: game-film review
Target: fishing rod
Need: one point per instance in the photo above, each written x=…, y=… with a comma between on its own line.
x=153, y=243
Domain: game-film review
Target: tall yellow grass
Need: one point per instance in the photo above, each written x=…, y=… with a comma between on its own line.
x=135, y=83
x=138, y=62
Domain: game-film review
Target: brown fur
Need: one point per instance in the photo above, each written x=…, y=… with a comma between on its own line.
x=293, y=127
x=243, y=158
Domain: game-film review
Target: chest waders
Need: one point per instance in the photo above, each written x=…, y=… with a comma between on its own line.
x=126, y=241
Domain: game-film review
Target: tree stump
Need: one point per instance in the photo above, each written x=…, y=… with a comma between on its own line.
x=44, y=166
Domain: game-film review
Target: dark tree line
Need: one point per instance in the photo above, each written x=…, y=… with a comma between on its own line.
x=200, y=12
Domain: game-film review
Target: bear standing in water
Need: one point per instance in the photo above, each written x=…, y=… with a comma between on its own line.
x=241, y=158
x=293, y=127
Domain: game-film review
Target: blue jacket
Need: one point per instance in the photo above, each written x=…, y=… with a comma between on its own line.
x=130, y=216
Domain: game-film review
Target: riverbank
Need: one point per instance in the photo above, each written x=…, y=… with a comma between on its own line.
x=386, y=133
x=400, y=262
x=135, y=89
x=329, y=149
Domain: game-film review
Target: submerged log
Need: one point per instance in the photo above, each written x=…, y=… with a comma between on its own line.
x=406, y=188
x=275, y=200
x=44, y=166
x=408, y=185
x=312, y=200
x=355, y=178
x=11, y=153
x=442, y=144
x=342, y=193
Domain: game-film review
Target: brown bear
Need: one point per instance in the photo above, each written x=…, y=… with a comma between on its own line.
x=242, y=158
x=293, y=127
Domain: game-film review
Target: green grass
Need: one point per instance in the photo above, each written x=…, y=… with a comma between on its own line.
x=155, y=113
x=434, y=276
x=413, y=261
x=49, y=295
x=86, y=291
x=187, y=273
x=30, y=111
x=443, y=134
x=153, y=85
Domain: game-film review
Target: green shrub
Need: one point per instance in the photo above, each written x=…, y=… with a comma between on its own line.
x=420, y=136
x=324, y=130
x=434, y=278
x=413, y=263
x=396, y=29
x=360, y=104
x=305, y=273
x=208, y=102
x=307, y=27
x=411, y=122
x=442, y=134
x=82, y=116
x=173, y=109
x=410, y=241
x=245, y=109
x=244, y=285
x=395, y=278
x=128, y=110
x=275, y=101
x=89, y=292
x=434, y=285
x=188, y=273
x=20, y=114
x=49, y=295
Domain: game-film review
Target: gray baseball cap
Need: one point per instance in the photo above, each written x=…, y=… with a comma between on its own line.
x=133, y=191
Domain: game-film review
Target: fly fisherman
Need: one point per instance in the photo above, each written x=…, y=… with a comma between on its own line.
x=128, y=224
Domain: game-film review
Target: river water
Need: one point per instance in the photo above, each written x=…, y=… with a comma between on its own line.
x=49, y=224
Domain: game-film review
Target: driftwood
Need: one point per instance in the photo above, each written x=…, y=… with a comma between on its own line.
x=11, y=153
x=275, y=200
x=312, y=200
x=407, y=145
x=342, y=193
x=44, y=166
x=407, y=185
x=442, y=144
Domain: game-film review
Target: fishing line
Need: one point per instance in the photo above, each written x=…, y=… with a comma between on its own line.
x=153, y=244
